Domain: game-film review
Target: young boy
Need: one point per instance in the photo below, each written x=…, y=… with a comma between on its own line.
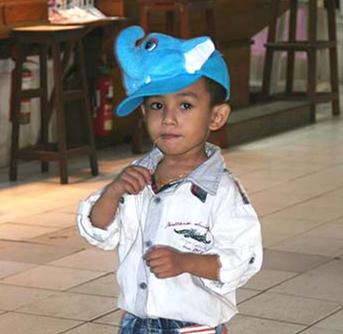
x=186, y=233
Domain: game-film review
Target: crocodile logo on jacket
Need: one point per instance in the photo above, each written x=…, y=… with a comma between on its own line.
x=193, y=234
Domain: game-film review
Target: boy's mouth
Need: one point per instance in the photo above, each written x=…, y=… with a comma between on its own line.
x=169, y=136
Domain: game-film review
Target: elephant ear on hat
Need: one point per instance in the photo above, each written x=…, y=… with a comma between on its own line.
x=155, y=57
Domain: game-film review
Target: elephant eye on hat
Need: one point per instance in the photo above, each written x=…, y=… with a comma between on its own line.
x=159, y=64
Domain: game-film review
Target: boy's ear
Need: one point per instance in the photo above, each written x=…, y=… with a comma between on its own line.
x=142, y=110
x=219, y=116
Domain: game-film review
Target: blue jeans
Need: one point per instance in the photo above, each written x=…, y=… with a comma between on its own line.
x=130, y=324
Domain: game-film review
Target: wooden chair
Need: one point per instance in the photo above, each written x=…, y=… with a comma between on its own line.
x=180, y=9
x=310, y=46
x=49, y=38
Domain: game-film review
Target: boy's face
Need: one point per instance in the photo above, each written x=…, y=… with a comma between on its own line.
x=180, y=122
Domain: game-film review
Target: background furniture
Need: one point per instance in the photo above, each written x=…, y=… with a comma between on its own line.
x=310, y=46
x=180, y=10
x=51, y=38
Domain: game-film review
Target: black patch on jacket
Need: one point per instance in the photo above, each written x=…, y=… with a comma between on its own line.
x=193, y=234
x=242, y=193
x=199, y=192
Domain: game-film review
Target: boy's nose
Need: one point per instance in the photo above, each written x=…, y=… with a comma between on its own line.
x=169, y=116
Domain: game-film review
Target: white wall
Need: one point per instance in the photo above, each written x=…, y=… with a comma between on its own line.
x=28, y=133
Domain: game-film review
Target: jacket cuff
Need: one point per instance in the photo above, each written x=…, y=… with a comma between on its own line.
x=106, y=239
x=235, y=269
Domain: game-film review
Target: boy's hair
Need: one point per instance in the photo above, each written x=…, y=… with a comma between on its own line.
x=217, y=92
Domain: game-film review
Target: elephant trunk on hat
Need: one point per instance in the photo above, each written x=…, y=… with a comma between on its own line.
x=158, y=56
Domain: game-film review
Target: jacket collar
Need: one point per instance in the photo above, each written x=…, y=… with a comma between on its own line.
x=206, y=176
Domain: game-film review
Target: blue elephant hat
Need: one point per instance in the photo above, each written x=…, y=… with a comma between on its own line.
x=159, y=64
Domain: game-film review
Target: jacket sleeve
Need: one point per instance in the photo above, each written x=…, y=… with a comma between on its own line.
x=106, y=239
x=237, y=240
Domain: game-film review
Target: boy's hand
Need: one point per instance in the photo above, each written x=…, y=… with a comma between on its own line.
x=165, y=261
x=131, y=180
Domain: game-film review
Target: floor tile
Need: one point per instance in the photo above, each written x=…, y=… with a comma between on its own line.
x=16, y=323
x=54, y=278
x=113, y=318
x=243, y=294
x=30, y=252
x=13, y=297
x=265, y=205
x=286, y=227
x=29, y=206
x=72, y=306
x=102, y=286
x=91, y=259
x=15, y=231
x=70, y=209
x=267, y=278
x=299, y=310
x=26, y=189
x=309, y=244
x=334, y=322
x=248, y=325
x=324, y=282
x=315, y=330
x=292, y=261
x=8, y=268
x=90, y=328
x=67, y=238
x=49, y=219
x=311, y=211
x=330, y=230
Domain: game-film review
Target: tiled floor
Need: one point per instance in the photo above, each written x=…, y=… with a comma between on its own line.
x=51, y=281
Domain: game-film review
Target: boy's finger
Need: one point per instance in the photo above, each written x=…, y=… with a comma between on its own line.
x=143, y=172
x=164, y=274
x=156, y=252
x=131, y=184
x=156, y=262
x=136, y=177
x=159, y=269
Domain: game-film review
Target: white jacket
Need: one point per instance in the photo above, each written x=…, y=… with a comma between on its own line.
x=206, y=213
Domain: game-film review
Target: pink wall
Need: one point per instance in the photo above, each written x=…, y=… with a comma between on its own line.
x=260, y=39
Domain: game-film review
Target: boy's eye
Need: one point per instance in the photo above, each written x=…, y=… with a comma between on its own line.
x=186, y=106
x=156, y=105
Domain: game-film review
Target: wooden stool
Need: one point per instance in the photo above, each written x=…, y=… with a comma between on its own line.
x=46, y=38
x=172, y=9
x=310, y=46
x=179, y=8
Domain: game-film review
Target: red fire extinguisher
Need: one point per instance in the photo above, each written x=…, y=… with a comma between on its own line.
x=25, y=104
x=103, y=111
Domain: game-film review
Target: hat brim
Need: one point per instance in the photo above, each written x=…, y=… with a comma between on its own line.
x=161, y=87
